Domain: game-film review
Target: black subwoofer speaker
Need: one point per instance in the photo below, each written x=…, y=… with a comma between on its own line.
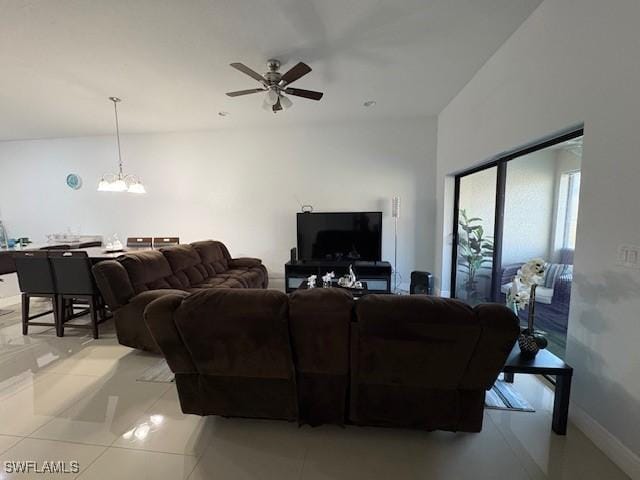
x=421, y=283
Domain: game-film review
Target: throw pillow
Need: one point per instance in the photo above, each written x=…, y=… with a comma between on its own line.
x=553, y=272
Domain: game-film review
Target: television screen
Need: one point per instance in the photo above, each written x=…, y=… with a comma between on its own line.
x=339, y=236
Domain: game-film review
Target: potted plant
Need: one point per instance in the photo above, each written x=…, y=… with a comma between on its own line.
x=522, y=293
x=475, y=253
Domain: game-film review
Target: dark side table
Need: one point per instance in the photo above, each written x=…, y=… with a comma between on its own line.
x=545, y=363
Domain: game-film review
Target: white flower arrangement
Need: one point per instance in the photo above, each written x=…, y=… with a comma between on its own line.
x=531, y=273
x=327, y=278
x=311, y=281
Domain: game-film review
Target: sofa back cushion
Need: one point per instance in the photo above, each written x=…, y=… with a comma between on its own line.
x=414, y=341
x=319, y=320
x=186, y=265
x=214, y=256
x=148, y=270
x=237, y=333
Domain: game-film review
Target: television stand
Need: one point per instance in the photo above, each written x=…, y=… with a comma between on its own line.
x=376, y=274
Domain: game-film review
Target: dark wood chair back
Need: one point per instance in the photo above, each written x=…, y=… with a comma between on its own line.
x=165, y=241
x=34, y=272
x=72, y=273
x=139, y=242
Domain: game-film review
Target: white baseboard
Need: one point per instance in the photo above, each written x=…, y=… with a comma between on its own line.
x=5, y=302
x=613, y=448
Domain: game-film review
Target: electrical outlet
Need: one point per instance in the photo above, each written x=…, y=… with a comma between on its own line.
x=629, y=256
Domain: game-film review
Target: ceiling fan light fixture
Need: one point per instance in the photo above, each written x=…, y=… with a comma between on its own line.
x=285, y=102
x=272, y=96
x=274, y=84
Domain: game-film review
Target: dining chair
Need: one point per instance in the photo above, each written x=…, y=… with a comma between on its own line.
x=165, y=241
x=35, y=278
x=139, y=242
x=75, y=283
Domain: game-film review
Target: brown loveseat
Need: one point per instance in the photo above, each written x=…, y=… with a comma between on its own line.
x=135, y=279
x=319, y=357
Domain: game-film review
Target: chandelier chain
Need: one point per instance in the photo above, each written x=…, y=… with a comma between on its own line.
x=115, y=101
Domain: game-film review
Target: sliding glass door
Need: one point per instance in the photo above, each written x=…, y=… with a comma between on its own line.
x=475, y=235
x=521, y=207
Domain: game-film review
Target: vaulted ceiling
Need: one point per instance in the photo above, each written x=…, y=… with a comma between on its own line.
x=168, y=59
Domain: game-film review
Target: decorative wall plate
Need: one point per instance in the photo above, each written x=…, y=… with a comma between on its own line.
x=74, y=181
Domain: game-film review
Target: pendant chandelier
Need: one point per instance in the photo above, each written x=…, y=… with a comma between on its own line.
x=119, y=182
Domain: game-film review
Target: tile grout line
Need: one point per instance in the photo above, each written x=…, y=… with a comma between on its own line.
x=513, y=451
x=304, y=462
x=91, y=463
x=83, y=443
x=143, y=412
x=2, y=452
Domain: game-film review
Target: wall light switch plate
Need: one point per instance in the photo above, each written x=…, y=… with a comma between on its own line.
x=629, y=256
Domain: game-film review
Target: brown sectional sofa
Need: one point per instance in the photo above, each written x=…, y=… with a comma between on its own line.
x=129, y=283
x=318, y=356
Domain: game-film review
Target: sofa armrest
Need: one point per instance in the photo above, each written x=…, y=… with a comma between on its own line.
x=245, y=262
x=158, y=315
x=500, y=329
x=114, y=283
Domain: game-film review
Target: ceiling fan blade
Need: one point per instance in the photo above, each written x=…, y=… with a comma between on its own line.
x=298, y=92
x=245, y=92
x=277, y=107
x=297, y=71
x=247, y=71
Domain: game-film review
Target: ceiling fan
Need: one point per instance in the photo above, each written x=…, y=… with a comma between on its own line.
x=276, y=84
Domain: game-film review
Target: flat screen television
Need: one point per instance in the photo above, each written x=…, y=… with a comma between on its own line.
x=340, y=236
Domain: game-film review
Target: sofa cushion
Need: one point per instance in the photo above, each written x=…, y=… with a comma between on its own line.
x=405, y=340
x=186, y=265
x=213, y=256
x=246, y=332
x=220, y=281
x=149, y=270
x=254, y=278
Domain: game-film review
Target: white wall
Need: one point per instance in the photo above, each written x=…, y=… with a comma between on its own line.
x=572, y=61
x=241, y=186
x=529, y=205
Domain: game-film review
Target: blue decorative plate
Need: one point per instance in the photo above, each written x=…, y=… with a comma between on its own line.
x=74, y=181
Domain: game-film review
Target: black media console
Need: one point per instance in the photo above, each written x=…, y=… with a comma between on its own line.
x=376, y=274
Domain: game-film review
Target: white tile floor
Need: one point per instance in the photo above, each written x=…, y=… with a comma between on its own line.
x=77, y=399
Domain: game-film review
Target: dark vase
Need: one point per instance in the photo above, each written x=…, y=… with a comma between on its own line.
x=530, y=341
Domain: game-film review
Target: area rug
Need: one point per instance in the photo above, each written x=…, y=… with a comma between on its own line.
x=503, y=396
x=159, y=373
